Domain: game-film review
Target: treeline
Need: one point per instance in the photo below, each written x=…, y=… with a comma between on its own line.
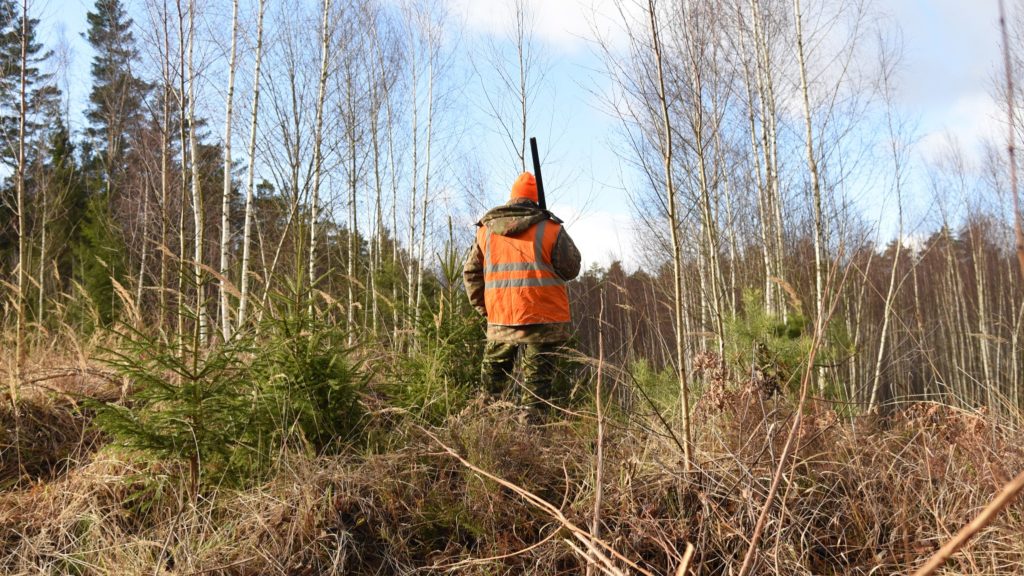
x=241, y=151
x=758, y=128
x=165, y=213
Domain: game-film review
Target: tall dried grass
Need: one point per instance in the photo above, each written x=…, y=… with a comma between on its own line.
x=867, y=495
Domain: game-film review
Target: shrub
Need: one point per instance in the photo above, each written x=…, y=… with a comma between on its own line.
x=763, y=345
x=189, y=402
x=308, y=386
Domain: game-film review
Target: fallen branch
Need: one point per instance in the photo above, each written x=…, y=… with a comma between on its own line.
x=599, y=550
x=1007, y=494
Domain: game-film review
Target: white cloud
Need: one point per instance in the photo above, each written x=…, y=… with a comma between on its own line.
x=601, y=236
x=967, y=120
x=564, y=24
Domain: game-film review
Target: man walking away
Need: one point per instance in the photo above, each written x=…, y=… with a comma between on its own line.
x=515, y=277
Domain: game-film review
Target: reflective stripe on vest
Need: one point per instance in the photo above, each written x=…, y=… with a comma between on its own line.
x=520, y=284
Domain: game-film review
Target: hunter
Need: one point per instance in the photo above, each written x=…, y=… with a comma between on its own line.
x=515, y=277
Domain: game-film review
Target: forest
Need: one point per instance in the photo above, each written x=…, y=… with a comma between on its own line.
x=235, y=338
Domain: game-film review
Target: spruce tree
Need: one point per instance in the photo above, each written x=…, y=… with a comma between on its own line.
x=117, y=96
x=43, y=96
x=42, y=105
x=114, y=113
x=69, y=198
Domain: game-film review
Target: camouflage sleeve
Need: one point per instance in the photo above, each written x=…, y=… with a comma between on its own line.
x=473, y=278
x=565, y=258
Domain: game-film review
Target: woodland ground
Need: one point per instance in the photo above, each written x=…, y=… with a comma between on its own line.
x=862, y=495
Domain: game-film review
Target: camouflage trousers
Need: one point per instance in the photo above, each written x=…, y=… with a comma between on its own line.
x=539, y=368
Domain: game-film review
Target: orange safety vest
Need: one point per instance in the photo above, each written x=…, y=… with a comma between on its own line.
x=520, y=284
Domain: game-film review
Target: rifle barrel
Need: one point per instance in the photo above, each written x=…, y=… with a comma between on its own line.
x=536, y=173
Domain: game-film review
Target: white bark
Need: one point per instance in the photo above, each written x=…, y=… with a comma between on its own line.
x=197, y=192
x=243, y=299
x=684, y=395
x=19, y=184
x=325, y=45
x=421, y=251
x=812, y=166
x=225, y=214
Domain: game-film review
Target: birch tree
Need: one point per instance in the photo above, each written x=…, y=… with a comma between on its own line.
x=19, y=186
x=243, y=299
x=225, y=218
x=325, y=47
x=673, y=222
x=897, y=151
x=199, y=225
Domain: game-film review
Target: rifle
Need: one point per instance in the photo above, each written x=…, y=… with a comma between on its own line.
x=536, y=173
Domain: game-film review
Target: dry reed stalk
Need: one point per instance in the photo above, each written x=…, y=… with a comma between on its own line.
x=819, y=332
x=1007, y=494
x=593, y=545
x=595, y=522
x=685, y=563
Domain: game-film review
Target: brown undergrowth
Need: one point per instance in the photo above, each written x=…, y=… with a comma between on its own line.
x=862, y=495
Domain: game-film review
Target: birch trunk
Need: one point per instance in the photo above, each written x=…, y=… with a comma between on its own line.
x=684, y=396
x=19, y=184
x=243, y=299
x=197, y=192
x=769, y=146
x=352, y=245
x=41, y=284
x=225, y=203
x=411, y=280
x=165, y=136
x=394, y=217
x=184, y=141
x=426, y=194
x=145, y=248
x=378, y=220
x=812, y=165
x=888, y=311
x=1011, y=149
x=325, y=44
x=695, y=57
x=890, y=294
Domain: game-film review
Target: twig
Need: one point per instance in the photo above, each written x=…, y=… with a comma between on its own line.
x=819, y=332
x=478, y=561
x=594, y=545
x=1008, y=493
x=685, y=563
x=595, y=522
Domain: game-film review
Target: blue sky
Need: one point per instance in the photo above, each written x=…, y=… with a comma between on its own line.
x=951, y=56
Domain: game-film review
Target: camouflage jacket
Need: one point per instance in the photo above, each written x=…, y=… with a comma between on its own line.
x=512, y=218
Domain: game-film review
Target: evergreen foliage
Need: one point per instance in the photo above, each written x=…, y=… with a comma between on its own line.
x=308, y=384
x=42, y=98
x=68, y=198
x=115, y=102
x=441, y=371
x=99, y=256
x=757, y=341
x=189, y=403
x=42, y=108
x=227, y=410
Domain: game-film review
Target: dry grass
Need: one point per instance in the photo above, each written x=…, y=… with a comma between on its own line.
x=868, y=496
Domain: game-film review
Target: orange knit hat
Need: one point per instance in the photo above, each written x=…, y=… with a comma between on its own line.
x=525, y=187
